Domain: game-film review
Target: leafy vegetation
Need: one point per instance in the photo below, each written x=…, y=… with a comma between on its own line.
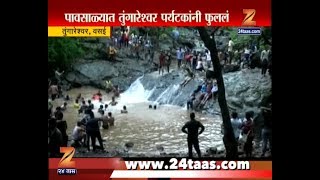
x=62, y=52
x=241, y=41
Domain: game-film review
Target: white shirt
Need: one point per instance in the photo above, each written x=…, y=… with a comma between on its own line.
x=214, y=88
x=208, y=56
x=264, y=55
x=76, y=133
x=199, y=65
x=230, y=45
x=236, y=123
x=246, y=51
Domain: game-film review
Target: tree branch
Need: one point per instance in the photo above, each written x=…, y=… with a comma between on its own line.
x=266, y=40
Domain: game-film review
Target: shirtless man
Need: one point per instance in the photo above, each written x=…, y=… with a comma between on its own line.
x=53, y=91
x=105, y=120
x=110, y=119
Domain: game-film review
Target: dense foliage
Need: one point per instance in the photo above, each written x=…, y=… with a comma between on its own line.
x=246, y=40
x=62, y=52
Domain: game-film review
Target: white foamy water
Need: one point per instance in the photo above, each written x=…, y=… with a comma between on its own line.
x=135, y=94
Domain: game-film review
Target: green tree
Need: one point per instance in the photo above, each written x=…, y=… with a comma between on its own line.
x=229, y=140
x=62, y=52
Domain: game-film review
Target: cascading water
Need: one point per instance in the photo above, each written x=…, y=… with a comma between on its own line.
x=136, y=93
x=169, y=95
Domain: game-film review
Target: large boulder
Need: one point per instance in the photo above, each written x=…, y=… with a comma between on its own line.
x=92, y=73
x=231, y=68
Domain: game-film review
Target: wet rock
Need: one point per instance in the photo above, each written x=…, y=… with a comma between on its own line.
x=174, y=154
x=212, y=151
x=231, y=68
x=129, y=145
x=160, y=148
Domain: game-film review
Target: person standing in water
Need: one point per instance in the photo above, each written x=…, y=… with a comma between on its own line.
x=53, y=91
x=93, y=131
x=193, y=132
x=113, y=101
x=110, y=119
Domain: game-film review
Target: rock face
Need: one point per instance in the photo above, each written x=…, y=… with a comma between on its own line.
x=92, y=73
x=97, y=72
x=244, y=90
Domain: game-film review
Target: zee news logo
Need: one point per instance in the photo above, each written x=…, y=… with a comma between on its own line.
x=248, y=20
x=66, y=166
x=249, y=23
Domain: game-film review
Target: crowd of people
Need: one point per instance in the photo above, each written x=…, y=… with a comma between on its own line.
x=89, y=124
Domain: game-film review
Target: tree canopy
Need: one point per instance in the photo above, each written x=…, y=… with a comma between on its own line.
x=63, y=51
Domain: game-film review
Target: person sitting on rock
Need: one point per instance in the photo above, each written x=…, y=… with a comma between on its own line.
x=113, y=101
x=124, y=110
x=190, y=101
x=188, y=76
x=207, y=95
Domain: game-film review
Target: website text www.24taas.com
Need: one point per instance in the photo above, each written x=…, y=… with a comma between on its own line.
x=174, y=164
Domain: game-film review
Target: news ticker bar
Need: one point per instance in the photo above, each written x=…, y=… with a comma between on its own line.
x=159, y=13
x=79, y=31
x=115, y=168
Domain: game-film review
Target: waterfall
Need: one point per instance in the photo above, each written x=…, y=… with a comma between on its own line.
x=136, y=93
x=169, y=95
